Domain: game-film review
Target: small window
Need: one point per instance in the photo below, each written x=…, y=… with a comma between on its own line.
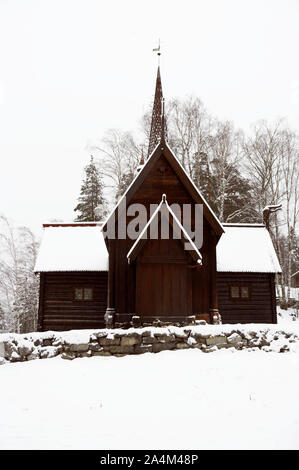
x=239, y=292
x=88, y=293
x=78, y=294
x=244, y=292
x=83, y=293
x=234, y=292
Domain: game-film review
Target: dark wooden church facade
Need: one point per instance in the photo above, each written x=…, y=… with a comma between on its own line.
x=150, y=280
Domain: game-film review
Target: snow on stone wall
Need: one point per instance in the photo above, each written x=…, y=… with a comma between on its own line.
x=207, y=338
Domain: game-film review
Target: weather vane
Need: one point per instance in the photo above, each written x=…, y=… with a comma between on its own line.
x=157, y=49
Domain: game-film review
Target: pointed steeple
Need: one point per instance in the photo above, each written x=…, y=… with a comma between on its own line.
x=157, y=133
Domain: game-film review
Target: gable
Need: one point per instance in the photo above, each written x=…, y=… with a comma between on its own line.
x=176, y=183
x=160, y=180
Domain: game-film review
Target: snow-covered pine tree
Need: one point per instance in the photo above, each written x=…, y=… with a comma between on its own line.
x=91, y=205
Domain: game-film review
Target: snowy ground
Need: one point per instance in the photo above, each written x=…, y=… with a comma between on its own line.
x=286, y=316
x=171, y=400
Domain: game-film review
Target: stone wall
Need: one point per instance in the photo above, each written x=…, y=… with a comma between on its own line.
x=86, y=343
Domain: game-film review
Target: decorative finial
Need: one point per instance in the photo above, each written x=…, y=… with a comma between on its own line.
x=267, y=211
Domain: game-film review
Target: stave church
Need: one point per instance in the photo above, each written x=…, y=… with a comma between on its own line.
x=95, y=275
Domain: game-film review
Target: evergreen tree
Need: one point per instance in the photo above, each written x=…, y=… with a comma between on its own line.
x=202, y=177
x=125, y=183
x=91, y=203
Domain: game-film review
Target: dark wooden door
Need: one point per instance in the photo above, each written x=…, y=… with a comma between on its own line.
x=163, y=280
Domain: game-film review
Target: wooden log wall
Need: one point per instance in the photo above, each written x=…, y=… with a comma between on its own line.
x=259, y=308
x=59, y=311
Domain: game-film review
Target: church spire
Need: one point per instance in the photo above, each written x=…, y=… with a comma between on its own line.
x=157, y=133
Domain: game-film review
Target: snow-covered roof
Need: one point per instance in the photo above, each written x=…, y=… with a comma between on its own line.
x=81, y=247
x=246, y=248
x=76, y=247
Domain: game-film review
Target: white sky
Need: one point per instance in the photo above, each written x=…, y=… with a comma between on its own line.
x=70, y=69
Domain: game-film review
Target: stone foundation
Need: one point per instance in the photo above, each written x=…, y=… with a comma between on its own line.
x=86, y=343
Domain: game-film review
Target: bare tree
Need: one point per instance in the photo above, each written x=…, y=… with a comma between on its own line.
x=263, y=162
x=290, y=188
x=209, y=150
x=188, y=128
x=18, y=284
x=118, y=157
x=271, y=161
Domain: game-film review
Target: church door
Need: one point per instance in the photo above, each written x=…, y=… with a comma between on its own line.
x=163, y=280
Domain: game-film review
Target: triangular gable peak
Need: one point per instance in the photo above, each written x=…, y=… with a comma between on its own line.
x=164, y=150
x=164, y=211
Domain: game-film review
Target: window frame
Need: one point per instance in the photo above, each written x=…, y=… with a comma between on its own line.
x=239, y=285
x=83, y=288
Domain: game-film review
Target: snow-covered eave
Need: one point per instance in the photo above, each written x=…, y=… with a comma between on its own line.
x=239, y=224
x=248, y=271
x=37, y=271
x=40, y=271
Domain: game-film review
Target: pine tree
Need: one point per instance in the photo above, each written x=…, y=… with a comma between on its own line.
x=91, y=203
x=201, y=173
x=125, y=183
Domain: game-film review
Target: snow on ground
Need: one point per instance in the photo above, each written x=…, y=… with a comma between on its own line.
x=170, y=400
x=284, y=317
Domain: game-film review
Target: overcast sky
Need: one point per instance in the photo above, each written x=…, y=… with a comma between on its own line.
x=70, y=69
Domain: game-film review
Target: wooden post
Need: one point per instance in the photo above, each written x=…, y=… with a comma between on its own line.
x=213, y=292
x=110, y=311
x=40, y=315
x=273, y=298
